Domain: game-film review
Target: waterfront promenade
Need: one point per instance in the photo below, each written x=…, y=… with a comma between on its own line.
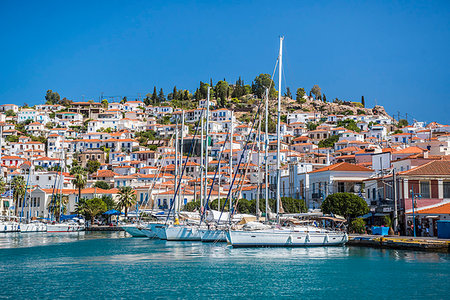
x=400, y=242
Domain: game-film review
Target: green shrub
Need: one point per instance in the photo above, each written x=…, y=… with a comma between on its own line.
x=358, y=225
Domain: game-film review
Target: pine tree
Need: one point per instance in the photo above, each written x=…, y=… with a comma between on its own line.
x=161, y=96
x=363, y=102
x=288, y=93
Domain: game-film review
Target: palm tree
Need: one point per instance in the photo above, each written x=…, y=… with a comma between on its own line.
x=127, y=198
x=19, y=191
x=91, y=208
x=80, y=180
x=58, y=205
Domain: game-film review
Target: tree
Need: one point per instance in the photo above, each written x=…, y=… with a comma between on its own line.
x=402, y=123
x=10, y=113
x=102, y=185
x=161, y=96
x=2, y=185
x=263, y=82
x=127, y=198
x=363, y=102
x=299, y=95
x=105, y=103
x=221, y=91
x=90, y=208
x=92, y=166
x=291, y=205
x=124, y=100
x=19, y=191
x=154, y=96
x=329, y=142
x=79, y=180
x=52, y=97
x=192, y=206
x=349, y=124
x=58, y=205
x=316, y=91
x=148, y=99
x=288, y=93
x=345, y=204
x=110, y=203
x=174, y=93
x=324, y=98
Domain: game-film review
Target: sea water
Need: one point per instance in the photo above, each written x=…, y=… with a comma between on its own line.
x=114, y=265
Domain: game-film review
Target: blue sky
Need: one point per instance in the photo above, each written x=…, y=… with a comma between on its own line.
x=395, y=53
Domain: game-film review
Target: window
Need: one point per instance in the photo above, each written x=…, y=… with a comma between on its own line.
x=447, y=189
x=425, y=189
x=341, y=187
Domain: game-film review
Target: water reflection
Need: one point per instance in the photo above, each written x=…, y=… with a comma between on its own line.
x=34, y=239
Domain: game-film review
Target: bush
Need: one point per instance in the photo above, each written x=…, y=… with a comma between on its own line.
x=345, y=204
x=358, y=225
x=193, y=205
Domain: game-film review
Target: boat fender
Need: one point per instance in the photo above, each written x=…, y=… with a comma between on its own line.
x=326, y=238
x=308, y=238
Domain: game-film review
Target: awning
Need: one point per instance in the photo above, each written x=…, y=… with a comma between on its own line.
x=112, y=212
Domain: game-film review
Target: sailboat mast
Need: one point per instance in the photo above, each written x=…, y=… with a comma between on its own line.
x=280, y=63
x=181, y=161
x=266, y=140
x=206, y=145
x=201, y=163
x=258, y=182
x=231, y=155
x=176, y=168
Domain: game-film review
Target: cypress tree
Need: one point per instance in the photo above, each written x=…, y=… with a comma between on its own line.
x=175, y=93
x=154, y=96
x=363, y=102
x=324, y=98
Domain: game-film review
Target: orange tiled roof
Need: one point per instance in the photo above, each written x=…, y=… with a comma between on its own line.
x=441, y=209
x=434, y=167
x=343, y=166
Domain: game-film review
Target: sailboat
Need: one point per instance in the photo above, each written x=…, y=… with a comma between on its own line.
x=185, y=232
x=257, y=234
x=69, y=226
x=8, y=224
x=30, y=225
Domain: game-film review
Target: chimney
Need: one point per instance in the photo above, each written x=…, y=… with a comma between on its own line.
x=425, y=154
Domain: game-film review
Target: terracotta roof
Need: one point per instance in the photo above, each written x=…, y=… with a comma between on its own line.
x=441, y=209
x=434, y=167
x=105, y=173
x=343, y=166
x=409, y=150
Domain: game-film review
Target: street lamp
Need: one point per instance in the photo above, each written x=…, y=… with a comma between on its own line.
x=413, y=196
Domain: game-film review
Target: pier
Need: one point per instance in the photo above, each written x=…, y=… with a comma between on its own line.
x=400, y=242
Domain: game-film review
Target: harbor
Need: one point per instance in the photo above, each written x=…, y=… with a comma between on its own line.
x=98, y=264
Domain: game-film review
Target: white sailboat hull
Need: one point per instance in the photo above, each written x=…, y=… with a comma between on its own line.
x=6, y=227
x=212, y=236
x=285, y=238
x=159, y=230
x=33, y=227
x=62, y=227
x=133, y=230
x=149, y=232
x=183, y=233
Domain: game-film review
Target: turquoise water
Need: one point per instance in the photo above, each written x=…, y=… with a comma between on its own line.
x=111, y=265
